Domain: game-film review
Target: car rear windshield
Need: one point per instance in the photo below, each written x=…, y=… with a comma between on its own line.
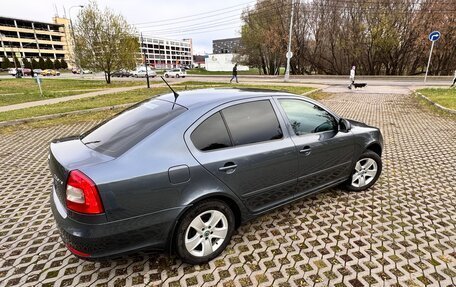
x=122, y=132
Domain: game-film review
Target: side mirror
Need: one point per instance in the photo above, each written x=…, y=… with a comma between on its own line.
x=344, y=125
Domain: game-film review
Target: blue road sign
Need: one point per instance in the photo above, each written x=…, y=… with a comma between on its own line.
x=434, y=36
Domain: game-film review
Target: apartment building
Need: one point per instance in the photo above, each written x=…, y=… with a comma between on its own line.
x=226, y=46
x=161, y=53
x=32, y=39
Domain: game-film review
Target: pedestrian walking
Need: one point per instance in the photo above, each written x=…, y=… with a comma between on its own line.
x=454, y=79
x=234, y=74
x=352, y=77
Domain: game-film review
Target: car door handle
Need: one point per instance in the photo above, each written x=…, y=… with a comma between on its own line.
x=229, y=166
x=305, y=150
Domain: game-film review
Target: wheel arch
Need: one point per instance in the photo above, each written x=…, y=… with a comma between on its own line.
x=231, y=202
x=375, y=147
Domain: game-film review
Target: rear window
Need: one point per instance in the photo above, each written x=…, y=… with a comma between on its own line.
x=122, y=132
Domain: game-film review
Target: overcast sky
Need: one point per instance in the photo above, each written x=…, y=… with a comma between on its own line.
x=201, y=20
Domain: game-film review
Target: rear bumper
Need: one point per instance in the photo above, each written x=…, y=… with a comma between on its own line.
x=151, y=231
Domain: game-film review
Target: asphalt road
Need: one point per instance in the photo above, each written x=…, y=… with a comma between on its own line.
x=401, y=81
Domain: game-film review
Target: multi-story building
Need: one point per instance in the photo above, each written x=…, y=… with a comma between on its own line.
x=163, y=53
x=33, y=39
x=226, y=46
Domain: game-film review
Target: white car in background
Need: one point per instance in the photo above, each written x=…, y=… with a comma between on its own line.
x=176, y=73
x=140, y=72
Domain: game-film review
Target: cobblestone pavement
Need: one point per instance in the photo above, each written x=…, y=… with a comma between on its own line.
x=401, y=232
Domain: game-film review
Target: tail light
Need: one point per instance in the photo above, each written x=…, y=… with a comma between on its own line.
x=82, y=194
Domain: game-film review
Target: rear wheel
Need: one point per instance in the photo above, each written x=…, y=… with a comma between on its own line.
x=204, y=231
x=366, y=172
x=177, y=76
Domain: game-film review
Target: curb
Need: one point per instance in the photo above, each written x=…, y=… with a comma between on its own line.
x=312, y=92
x=435, y=104
x=47, y=117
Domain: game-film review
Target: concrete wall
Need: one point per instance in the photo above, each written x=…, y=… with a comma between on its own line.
x=222, y=62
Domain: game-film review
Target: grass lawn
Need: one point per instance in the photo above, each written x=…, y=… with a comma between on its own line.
x=15, y=91
x=444, y=97
x=126, y=98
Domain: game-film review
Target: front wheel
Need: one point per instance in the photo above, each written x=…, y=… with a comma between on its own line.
x=204, y=231
x=366, y=172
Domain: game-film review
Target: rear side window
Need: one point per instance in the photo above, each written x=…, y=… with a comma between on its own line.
x=211, y=134
x=122, y=132
x=252, y=122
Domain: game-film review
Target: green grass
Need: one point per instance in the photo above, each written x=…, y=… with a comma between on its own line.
x=125, y=98
x=444, y=97
x=15, y=91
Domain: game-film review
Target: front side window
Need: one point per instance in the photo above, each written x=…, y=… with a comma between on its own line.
x=306, y=117
x=252, y=122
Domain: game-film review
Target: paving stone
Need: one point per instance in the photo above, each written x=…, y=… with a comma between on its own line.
x=400, y=232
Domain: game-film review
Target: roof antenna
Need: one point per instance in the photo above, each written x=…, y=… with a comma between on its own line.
x=175, y=93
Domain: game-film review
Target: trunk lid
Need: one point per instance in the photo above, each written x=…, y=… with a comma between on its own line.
x=68, y=154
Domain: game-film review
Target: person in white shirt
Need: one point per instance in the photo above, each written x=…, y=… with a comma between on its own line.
x=352, y=77
x=454, y=79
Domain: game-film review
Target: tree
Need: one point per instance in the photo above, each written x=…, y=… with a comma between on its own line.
x=16, y=62
x=41, y=63
x=26, y=63
x=48, y=64
x=6, y=63
x=57, y=64
x=35, y=63
x=63, y=64
x=104, y=41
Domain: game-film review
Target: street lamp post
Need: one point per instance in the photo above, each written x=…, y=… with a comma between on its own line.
x=72, y=34
x=289, y=53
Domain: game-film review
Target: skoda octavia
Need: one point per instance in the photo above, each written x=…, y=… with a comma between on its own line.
x=181, y=172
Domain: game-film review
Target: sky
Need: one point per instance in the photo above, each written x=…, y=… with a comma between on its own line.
x=201, y=20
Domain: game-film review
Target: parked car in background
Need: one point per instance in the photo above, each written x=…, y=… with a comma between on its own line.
x=79, y=71
x=141, y=69
x=184, y=172
x=37, y=71
x=121, y=73
x=20, y=72
x=50, y=72
x=142, y=74
x=176, y=73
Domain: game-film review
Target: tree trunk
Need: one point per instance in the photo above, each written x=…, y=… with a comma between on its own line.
x=107, y=77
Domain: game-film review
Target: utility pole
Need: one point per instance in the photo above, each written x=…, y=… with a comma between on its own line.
x=289, y=53
x=145, y=61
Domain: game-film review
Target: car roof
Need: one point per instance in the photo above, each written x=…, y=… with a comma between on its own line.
x=217, y=96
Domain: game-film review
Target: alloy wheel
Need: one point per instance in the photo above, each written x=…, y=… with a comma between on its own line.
x=365, y=171
x=206, y=233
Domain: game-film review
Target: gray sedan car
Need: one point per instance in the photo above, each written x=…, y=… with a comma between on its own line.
x=182, y=174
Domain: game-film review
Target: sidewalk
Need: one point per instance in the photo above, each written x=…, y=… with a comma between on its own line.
x=68, y=98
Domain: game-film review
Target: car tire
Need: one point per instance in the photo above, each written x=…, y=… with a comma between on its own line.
x=177, y=76
x=365, y=173
x=195, y=242
x=166, y=76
